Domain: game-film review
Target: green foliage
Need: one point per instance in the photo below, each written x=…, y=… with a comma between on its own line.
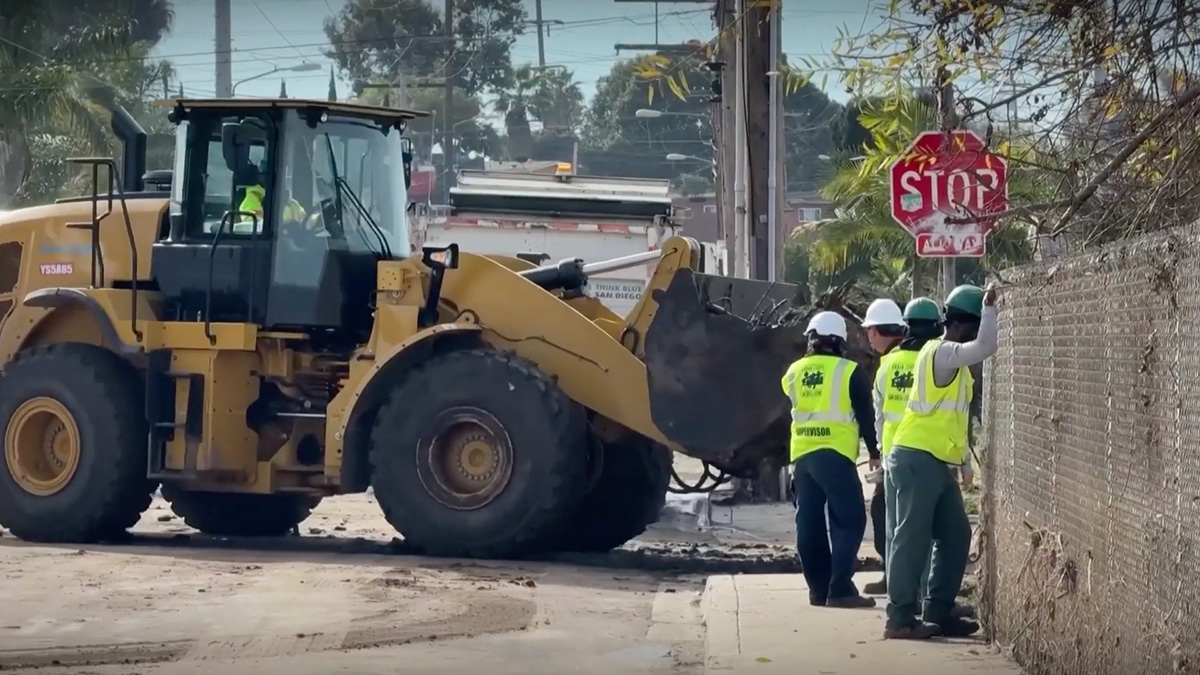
x=473, y=133
x=57, y=62
x=679, y=88
x=387, y=40
x=548, y=95
x=863, y=245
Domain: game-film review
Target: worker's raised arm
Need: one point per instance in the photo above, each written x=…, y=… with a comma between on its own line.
x=864, y=410
x=951, y=356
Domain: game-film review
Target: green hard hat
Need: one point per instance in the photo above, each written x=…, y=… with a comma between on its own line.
x=967, y=299
x=922, y=309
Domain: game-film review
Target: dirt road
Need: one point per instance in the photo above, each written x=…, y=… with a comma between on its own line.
x=313, y=606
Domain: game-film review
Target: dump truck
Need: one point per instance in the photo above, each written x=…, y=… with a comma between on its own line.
x=547, y=217
x=252, y=356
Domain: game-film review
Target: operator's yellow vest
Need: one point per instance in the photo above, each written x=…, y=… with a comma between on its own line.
x=895, y=380
x=253, y=203
x=935, y=419
x=822, y=418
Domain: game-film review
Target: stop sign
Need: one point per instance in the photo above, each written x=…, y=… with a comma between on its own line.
x=948, y=175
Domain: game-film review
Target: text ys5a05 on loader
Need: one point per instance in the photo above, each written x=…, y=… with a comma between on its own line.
x=254, y=355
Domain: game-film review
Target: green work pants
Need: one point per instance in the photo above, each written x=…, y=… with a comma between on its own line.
x=925, y=507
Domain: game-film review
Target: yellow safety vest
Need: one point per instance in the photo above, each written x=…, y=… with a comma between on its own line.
x=253, y=203
x=895, y=380
x=935, y=419
x=822, y=418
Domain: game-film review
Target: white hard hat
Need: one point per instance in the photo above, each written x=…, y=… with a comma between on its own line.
x=827, y=323
x=883, y=312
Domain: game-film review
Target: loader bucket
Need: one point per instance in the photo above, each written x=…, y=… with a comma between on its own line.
x=715, y=353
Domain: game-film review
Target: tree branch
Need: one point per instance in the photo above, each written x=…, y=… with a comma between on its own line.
x=1131, y=146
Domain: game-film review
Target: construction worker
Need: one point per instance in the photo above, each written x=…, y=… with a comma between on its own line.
x=923, y=496
x=884, y=324
x=831, y=409
x=893, y=380
x=252, y=202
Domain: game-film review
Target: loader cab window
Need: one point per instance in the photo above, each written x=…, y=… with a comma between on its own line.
x=344, y=181
x=341, y=209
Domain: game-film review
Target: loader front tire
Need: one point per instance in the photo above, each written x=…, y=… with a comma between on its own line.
x=478, y=454
x=234, y=514
x=628, y=496
x=74, y=445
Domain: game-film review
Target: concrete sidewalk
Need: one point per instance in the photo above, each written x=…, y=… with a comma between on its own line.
x=763, y=624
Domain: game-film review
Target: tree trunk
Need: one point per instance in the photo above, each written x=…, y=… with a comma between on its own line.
x=15, y=164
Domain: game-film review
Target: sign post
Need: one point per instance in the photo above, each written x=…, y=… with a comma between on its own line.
x=943, y=190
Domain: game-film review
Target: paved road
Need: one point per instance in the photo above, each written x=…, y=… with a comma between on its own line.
x=166, y=611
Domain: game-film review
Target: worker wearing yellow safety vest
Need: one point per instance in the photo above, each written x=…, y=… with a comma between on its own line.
x=252, y=203
x=831, y=409
x=920, y=322
x=884, y=325
x=924, y=501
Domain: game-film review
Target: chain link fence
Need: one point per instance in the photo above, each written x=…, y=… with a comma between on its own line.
x=1092, y=462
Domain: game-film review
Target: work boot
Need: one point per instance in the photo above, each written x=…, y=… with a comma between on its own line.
x=876, y=587
x=915, y=631
x=956, y=627
x=851, y=602
x=816, y=600
x=962, y=611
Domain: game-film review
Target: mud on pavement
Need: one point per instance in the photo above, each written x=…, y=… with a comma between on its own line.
x=67, y=608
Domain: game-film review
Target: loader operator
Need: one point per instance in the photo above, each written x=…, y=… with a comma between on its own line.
x=893, y=381
x=884, y=324
x=256, y=195
x=923, y=497
x=831, y=409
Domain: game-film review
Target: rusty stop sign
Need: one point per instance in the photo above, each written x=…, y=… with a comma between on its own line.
x=945, y=176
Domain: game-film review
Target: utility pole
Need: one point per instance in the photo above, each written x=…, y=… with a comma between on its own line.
x=776, y=150
x=224, y=48
x=948, y=119
x=755, y=24
x=449, y=154
x=537, y=5
x=723, y=130
x=741, y=206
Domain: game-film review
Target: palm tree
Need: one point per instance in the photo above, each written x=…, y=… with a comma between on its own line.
x=548, y=95
x=50, y=54
x=862, y=245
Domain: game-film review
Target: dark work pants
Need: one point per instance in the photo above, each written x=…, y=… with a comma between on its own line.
x=926, y=508
x=828, y=555
x=879, y=524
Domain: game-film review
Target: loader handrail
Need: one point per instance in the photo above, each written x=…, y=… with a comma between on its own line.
x=212, y=255
x=114, y=183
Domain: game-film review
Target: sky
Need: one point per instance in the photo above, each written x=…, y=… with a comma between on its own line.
x=270, y=34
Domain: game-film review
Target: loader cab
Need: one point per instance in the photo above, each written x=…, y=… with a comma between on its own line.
x=280, y=212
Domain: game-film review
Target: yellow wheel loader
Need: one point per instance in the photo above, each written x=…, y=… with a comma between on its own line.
x=251, y=332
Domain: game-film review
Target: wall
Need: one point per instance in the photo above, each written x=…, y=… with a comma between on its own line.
x=1092, y=462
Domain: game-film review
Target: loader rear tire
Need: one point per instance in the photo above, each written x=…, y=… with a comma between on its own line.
x=74, y=424
x=478, y=454
x=629, y=496
x=233, y=514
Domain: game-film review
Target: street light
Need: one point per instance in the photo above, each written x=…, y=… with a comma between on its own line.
x=299, y=68
x=652, y=114
x=676, y=157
